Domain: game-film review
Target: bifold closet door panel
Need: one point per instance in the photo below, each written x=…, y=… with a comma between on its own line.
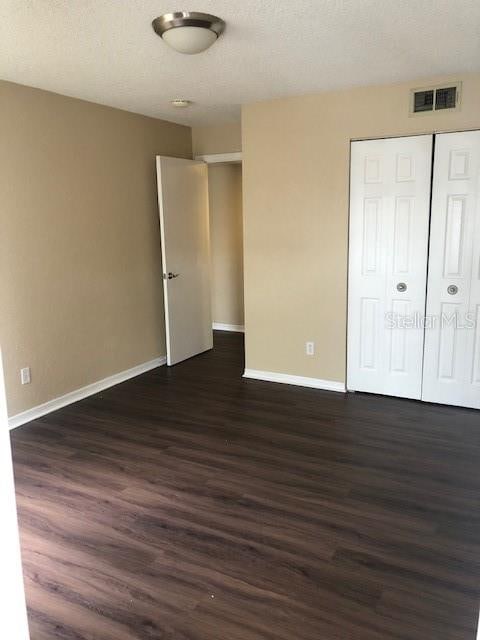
x=452, y=336
x=390, y=185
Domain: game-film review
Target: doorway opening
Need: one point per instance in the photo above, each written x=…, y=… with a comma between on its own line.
x=201, y=226
x=226, y=242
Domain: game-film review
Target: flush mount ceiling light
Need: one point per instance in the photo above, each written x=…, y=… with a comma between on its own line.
x=188, y=31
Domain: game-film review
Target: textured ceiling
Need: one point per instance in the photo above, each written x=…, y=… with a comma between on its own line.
x=106, y=51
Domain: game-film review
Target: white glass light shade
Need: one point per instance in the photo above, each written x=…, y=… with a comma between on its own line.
x=189, y=40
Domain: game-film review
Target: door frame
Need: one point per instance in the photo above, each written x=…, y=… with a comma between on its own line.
x=232, y=157
x=224, y=158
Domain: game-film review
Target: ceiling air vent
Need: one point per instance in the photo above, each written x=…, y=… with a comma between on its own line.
x=435, y=98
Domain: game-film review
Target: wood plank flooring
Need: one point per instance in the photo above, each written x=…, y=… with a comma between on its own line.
x=192, y=504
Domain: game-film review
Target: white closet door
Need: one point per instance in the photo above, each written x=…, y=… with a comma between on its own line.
x=452, y=337
x=389, y=220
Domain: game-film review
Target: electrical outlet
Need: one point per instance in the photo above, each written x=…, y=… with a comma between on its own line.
x=310, y=348
x=25, y=376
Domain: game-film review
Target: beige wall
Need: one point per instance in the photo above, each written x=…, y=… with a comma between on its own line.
x=295, y=177
x=226, y=233
x=225, y=138
x=81, y=290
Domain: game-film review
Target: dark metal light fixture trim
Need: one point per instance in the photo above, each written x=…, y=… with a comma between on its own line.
x=188, y=19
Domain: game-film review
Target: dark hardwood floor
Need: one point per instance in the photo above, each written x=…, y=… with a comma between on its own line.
x=191, y=504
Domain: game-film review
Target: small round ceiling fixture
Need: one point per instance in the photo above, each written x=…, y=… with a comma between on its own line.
x=181, y=103
x=188, y=31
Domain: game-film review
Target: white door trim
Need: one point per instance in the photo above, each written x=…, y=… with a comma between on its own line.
x=215, y=158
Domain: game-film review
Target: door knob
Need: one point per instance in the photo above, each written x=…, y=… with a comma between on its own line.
x=170, y=275
x=452, y=289
x=401, y=286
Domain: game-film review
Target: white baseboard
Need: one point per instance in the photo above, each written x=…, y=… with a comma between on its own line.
x=83, y=392
x=300, y=381
x=220, y=326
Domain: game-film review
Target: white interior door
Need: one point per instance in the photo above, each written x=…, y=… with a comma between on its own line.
x=388, y=246
x=452, y=336
x=185, y=239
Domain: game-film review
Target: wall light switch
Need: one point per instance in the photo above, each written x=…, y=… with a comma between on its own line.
x=25, y=376
x=310, y=348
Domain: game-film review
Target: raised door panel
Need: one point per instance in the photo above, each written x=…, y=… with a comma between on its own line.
x=371, y=236
x=449, y=342
x=455, y=225
x=402, y=240
x=476, y=348
x=473, y=320
x=398, y=356
x=369, y=325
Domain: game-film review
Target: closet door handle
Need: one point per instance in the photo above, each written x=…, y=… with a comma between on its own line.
x=402, y=287
x=452, y=289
